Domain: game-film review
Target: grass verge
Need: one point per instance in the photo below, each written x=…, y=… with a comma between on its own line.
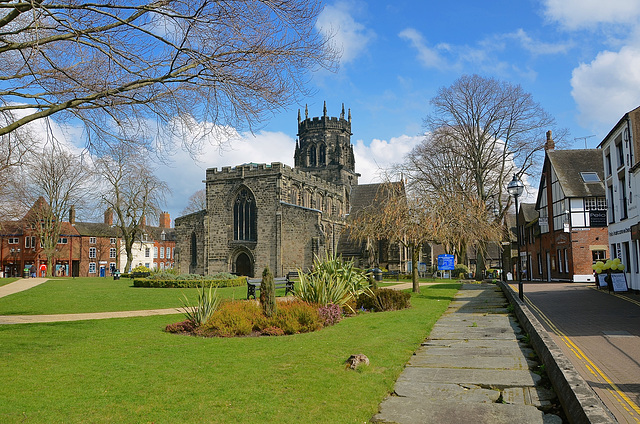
x=83, y=295
x=130, y=371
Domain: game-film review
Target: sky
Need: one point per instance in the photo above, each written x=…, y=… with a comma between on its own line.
x=580, y=60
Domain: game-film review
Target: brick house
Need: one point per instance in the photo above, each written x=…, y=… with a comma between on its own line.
x=98, y=245
x=572, y=206
x=20, y=246
x=155, y=247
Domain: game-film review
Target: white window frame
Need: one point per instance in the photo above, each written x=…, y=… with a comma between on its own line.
x=147, y=252
x=161, y=252
x=113, y=240
x=92, y=240
x=92, y=252
x=92, y=267
x=112, y=253
x=14, y=240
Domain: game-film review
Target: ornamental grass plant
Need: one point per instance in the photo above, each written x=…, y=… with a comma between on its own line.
x=208, y=302
x=332, y=281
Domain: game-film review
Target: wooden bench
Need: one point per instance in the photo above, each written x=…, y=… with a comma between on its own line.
x=391, y=274
x=253, y=284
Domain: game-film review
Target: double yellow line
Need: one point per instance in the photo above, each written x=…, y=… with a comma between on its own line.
x=626, y=403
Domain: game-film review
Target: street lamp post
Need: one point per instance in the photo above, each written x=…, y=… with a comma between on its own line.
x=515, y=189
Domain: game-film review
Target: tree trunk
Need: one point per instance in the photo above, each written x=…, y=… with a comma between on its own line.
x=480, y=262
x=415, y=257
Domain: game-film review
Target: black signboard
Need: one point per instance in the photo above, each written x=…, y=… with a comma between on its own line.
x=598, y=218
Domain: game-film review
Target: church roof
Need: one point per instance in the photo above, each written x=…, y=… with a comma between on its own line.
x=363, y=196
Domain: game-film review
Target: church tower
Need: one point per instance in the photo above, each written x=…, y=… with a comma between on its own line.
x=324, y=148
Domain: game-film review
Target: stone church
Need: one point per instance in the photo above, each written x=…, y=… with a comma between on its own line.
x=260, y=215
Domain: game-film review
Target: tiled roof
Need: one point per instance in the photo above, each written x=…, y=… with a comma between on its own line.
x=568, y=164
x=96, y=229
x=529, y=212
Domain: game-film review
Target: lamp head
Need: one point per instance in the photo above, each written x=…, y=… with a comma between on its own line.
x=515, y=186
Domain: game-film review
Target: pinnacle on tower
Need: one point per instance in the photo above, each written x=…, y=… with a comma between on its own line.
x=306, y=112
x=349, y=114
x=342, y=113
x=298, y=116
x=324, y=109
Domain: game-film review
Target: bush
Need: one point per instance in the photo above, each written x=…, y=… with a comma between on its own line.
x=460, y=269
x=141, y=269
x=242, y=318
x=268, y=293
x=180, y=327
x=385, y=300
x=234, y=319
x=183, y=284
x=330, y=314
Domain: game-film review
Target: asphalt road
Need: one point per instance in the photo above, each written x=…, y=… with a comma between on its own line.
x=600, y=333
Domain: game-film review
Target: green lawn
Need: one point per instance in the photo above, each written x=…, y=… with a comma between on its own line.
x=79, y=295
x=130, y=371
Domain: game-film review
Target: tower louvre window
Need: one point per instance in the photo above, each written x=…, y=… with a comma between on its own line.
x=244, y=216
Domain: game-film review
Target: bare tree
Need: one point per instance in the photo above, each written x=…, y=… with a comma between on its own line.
x=480, y=133
x=196, y=203
x=52, y=182
x=131, y=191
x=394, y=218
x=122, y=67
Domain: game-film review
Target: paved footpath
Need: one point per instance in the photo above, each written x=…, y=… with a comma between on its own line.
x=599, y=333
x=27, y=283
x=472, y=369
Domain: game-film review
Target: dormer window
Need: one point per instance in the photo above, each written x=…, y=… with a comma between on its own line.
x=163, y=236
x=590, y=177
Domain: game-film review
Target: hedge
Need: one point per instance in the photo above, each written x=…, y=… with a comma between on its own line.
x=183, y=284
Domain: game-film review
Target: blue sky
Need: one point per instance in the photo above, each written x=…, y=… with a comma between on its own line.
x=580, y=59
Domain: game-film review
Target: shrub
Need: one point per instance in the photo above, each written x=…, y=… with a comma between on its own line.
x=208, y=303
x=460, y=269
x=385, y=300
x=268, y=293
x=296, y=317
x=330, y=314
x=332, y=281
x=182, y=284
x=140, y=269
x=180, y=327
x=234, y=319
x=242, y=318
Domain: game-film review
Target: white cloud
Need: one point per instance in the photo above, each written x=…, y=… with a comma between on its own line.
x=349, y=36
x=608, y=87
x=538, y=47
x=575, y=14
x=430, y=57
x=379, y=156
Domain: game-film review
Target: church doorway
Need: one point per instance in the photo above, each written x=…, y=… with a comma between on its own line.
x=244, y=265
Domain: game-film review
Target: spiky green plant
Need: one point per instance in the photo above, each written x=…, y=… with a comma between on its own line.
x=208, y=303
x=332, y=281
x=268, y=293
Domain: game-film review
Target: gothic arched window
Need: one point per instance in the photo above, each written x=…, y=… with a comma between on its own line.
x=244, y=216
x=194, y=249
x=322, y=160
x=312, y=155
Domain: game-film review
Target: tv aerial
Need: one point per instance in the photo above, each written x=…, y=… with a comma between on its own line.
x=584, y=138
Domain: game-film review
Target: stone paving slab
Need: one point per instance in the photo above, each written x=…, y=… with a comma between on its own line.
x=453, y=392
x=403, y=410
x=454, y=349
x=466, y=361
x=472, y=361
x=483, y=377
